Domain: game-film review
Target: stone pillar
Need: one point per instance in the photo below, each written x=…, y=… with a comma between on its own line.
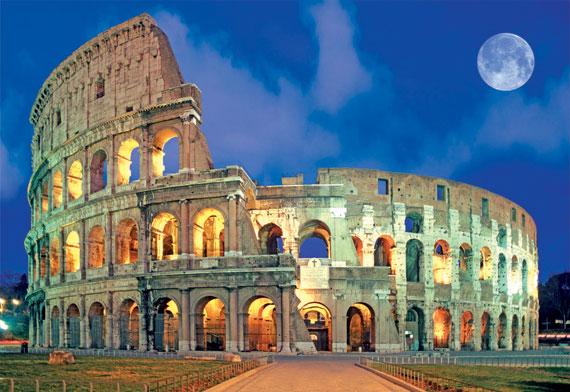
x=62, y=255
x=31, y=325
x=64, y=184
x=146, y=156
x=85, y=186
x=184, y=343
x=112, y=166
x=234, y=311
x=477, y=314
x=109, y=321
x=83, y=250
x=184, y=216
x=232, y=246
x=144, y=241
x=241, y=331
x=286, y=319
x=84, y=342
x=62, y=317
x=47, y=325
x=109, y=243
x=508, y=333
x=185, y=163
x=339, y=324
x=456, y=319
x=48, y=266
x=192, y=330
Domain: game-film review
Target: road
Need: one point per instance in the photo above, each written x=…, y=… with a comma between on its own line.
x=312, y=374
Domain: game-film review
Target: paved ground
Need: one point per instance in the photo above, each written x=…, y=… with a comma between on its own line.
x=313, y=374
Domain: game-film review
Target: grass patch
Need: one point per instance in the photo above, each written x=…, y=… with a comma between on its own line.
x=104, y=372
x=506, y=379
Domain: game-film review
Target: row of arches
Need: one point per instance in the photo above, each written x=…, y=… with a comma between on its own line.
x=165, y=159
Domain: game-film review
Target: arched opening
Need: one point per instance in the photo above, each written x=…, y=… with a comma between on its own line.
x=383, y=252
x=502, y=267
x=501, y=330
x=164, y=237
x=441, y=328
x=98, y=171
x=465, y=263
x=129, y=325
x=502, y=237
x=524, y=277
x=317, y=319
x=271, y=239
x=73, y=326
x=211, y=325
x=414, y=260
x=441, y=262
x=358, y=247
x=165, y=153
x=486, y=331
x=261, y=326
x=314, y=240
x=414, y=332
x=97, y=325
x=54, y=257
x=523, y=335
x=127, y=239
x=54, y=327
x=96, y=257
x=515, y=332
x=45, y=198
x=72, y=252
x=166, y=325
x=128, y=162
x=57, y=189
x=209, y=233
x=467, y=328
x=43, y=261
x=360, y=328
x=414, y=222
x=41, y=329
x=515, y=275
x=75, y=181
x=485, y=264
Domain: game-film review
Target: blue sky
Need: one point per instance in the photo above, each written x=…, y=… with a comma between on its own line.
x=389, y=85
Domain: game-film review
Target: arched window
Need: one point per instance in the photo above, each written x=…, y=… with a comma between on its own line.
x=441, y=328
x=502, y=237
x=128, y=162
x=98, y=171
x=314, y=240
x=524, y=277
x=164, y=237
x=72, y=252
x=502, y=273
x=96, y=247
x=43, y=261
x=45, y=197
x=54, y=257
x=209, y=233
x=414, y=260
x=441, y=262
x=75, y=180
x=414, y=222
x=127, y=242
x=165, y=158
x=57, y=190
x=485, y=265
x=210, y=324
x=358, y=247
x=383, y=251
x=271, y=239
x=515, y=275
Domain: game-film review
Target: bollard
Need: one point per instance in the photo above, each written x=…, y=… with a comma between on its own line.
x=118, y=387
x=90, y=387
x=63, y=386
x=11, y=385
x=37, y=385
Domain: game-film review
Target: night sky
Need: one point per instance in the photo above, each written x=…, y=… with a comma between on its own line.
x=291, y=87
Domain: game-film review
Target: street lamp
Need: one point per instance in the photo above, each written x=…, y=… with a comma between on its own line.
x=2, y=302
x=16, y=302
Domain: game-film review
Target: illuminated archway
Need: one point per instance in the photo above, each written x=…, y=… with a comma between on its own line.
x=54, y=257
x=414, y=332
x=97, y=325
x=129, y=325
x=211, y=324
x=72, y=252
x=75, y=180
x=485, y=264
x=261, y=326
x=166, y=325
x=164, y=237
x=159, y=166
x=98, y=171
x=360, y=328
x=127, y=242
x=441, y=262
x=96, y=256
x=486, y=331
x=129, y=153
x=465, y=263
x=383, y=252
x=441, y=328
x=358, y=247
x=209, y=233
x=467, y=329
x=317, y=319
x=314, y=240
x=501, y=331
x=271, y=239
x=55, y=315
x=73, y=329
x=45, y=197
x=57, y=189
x=43, y=261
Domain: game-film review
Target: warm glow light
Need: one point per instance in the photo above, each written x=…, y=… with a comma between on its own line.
x=16, y=302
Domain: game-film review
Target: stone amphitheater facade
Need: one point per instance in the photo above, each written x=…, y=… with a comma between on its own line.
x=123, y=255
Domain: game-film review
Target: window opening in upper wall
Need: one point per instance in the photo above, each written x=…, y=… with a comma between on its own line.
x=382, y=186
x=485, y=207
x=440, y=193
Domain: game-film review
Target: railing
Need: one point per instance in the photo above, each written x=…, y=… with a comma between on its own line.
x=443, y=358
x=192, y=382
x=419, y=379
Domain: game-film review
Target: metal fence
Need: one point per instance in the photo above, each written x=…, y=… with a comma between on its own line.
x=562, y=360
x=419, y=379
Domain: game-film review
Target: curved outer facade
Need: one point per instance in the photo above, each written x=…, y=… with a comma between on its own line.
x=124, y=256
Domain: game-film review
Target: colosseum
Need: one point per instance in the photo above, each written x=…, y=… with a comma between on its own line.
x=126, y=253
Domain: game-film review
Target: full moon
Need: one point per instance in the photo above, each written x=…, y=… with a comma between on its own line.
x=505, y=61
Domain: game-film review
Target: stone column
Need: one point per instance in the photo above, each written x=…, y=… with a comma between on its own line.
x=109, y=243
x=477, y=314
x=48, y=266
x=109, y=321
x=62, y=316
x=241, y=331
x=84, y=341
x=508, y=333
x=146, y=156
x=112, y=166
x=192, y=330
x=232, y=246
x=62, y=256
x=286, y=319
x=47, y=325
x=185, y=164
x=85, y=186
x=31, y=326
x=456, y=319
x=64, y=184
x=234, y=311
x=184, y=216
x=144, y=241
x=84, y=250
x=184, y=343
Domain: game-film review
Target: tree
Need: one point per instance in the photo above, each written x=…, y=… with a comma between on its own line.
x=555, y=298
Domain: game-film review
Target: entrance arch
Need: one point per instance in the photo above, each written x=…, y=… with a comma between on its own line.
x=209, y=233
x=466, y=337
x=54, y=327
x=414, y=331
x=441, y=328
x=360, y=330
x=501, y=331
x=486, y=333
x=129, y=325
x=515, y=332
x=73, y=329
x=261, y=326
x=317, y=319
x=166, y=325
x=211, y=324
x=97, y=325
x=271, y=239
